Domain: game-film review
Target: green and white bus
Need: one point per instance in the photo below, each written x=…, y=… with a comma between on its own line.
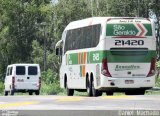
x=108, y=54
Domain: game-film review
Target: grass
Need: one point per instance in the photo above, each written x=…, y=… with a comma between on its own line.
x=50, y=89
x=156, y=92
x=1, y=88
x=158, y=82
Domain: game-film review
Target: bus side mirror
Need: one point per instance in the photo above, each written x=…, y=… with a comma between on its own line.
x=58, y=48
x=58, y=51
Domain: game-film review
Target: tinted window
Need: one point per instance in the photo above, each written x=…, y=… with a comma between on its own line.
x=32, y=70
x=20, y=70
x=8, y=71
x=85, y=37
x=11, y=71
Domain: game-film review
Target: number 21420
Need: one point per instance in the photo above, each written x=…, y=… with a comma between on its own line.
x=129, y=42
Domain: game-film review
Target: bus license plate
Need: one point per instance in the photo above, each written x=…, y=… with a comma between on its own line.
x=129, y=81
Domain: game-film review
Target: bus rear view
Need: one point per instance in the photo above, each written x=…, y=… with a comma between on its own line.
x=129, y=64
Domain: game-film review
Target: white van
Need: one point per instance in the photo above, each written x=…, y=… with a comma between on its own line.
x=22, y=78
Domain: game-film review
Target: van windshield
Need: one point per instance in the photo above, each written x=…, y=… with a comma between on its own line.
x=32, y=70
x=20, y=70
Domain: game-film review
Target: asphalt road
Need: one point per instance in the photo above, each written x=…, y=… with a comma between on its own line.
x=114, y=104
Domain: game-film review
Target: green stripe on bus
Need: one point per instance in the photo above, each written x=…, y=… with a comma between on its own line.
x=81, y=70
x=97, y=56
x=72, y=58
x=149, y=29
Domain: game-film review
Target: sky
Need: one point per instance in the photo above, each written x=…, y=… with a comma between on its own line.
x=54, y=1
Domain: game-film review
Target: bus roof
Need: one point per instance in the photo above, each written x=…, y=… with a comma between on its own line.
x=96, y=20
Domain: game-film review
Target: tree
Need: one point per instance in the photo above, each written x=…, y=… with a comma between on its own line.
x=19, y=28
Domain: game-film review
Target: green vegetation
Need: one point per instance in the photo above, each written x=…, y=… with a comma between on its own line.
x=158, y=82
x=50, y=84
x=157, y=85
x=1, y=88
x=29, y=30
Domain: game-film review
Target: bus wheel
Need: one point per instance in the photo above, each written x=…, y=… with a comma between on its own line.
x=95, y=91
x=70, y=92
x=140, y=92
x=109, y=93
x=37, y=92
x=89, y=88
x=100, y=93
x=30, y=93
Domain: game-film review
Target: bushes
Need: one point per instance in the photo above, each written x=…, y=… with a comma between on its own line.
x=50, y=89
x=158, y=82
x=50, y=83
x=1, y=87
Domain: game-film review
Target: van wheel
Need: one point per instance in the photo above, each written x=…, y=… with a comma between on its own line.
x=109, y=93
x=30, y=93
x=89, y=88
x=12, y=92
x=70, y=92
x=37, y=92
x=6, y=93
x=95, y=91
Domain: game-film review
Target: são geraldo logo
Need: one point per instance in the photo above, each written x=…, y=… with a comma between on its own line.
x=129, y=30
x=121, y=30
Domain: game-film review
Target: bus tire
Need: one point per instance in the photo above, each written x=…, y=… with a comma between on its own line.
x=141, y=92
x=30, y=93
x=95, y=92
x=100, y=93
x=37, y=92
x=89, y=88
x=70, y=92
